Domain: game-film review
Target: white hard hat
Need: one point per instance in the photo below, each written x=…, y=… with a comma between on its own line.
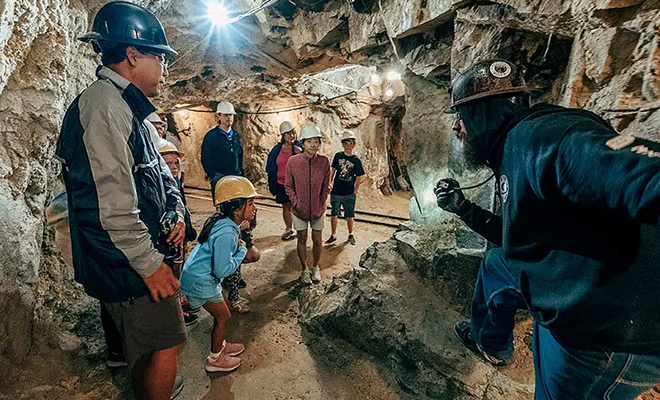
x=285, y=127
x=310, y=131
x=348, y=135
x=225, y=107
x=153, y=117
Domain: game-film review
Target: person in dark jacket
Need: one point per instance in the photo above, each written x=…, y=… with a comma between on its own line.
x=222, y=151
x=579, y=236
x=125, y=212
x=276, y=170
x=222, y=154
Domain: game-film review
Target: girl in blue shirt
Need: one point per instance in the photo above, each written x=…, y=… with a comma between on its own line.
x=219, y=254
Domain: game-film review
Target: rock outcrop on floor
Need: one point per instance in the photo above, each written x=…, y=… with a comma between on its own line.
x=400, y=304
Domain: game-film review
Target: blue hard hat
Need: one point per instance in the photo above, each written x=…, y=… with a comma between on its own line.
x=121, y=22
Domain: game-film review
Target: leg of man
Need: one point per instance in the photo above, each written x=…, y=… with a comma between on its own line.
x=335, y=203
x=349, y=213
x=334, y=222
x=286, y=216
x=153, y=334
x=574, y=374
x=302, y=248
x=161, y=372
x=494, y=304
x=113, y=339
x=317, y=245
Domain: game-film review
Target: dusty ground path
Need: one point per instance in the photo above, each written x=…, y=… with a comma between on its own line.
x=277, y=363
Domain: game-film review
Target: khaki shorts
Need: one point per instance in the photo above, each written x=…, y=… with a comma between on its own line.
x=301, y=225
x=147, y=326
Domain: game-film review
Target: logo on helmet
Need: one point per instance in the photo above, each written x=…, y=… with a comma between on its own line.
x=500, y=69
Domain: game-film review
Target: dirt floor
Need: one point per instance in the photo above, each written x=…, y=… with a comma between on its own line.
x=277, y=363
x=281, y=361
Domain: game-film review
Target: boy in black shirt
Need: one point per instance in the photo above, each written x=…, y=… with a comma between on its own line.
x=346, y=176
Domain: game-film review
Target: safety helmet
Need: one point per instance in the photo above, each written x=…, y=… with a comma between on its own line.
x=225, y=107
x=121, y=22
x=166, y=146
x=310, y=131
x=488, y=78
x=232, y=187
x=154, y=118
x=347, y=134
x=285, y=127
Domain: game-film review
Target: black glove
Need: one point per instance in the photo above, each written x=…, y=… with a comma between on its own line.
x=449, y=198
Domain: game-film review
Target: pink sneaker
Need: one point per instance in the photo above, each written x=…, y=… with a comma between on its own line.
x=222, y=363
x=233, y=349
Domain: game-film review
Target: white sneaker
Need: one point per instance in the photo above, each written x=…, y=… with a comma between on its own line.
x=316, y=274
x=305, y=277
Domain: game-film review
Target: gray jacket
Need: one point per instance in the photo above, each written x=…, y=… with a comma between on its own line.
x=118, y=188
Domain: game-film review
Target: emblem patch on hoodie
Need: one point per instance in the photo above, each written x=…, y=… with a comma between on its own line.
x=504, y=188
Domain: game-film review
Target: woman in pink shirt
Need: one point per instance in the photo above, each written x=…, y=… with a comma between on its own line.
x=308, y=185
x=276, y=169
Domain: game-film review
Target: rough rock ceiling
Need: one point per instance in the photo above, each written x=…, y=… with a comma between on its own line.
x=263, y=55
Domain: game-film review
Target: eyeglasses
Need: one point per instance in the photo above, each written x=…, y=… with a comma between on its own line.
x=163, y=60
x=160, y=56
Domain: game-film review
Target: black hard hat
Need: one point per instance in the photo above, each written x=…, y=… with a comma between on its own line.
x=487, y=78
x=127, y=23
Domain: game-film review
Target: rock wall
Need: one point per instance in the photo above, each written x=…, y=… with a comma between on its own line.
x=346, y=98
x=599, y=54
x=42, y=67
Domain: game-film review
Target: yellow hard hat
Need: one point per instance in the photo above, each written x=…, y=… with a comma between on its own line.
x=169, y=147
x=232, y=187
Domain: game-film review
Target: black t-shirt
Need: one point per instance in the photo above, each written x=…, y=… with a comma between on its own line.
x=348, y=168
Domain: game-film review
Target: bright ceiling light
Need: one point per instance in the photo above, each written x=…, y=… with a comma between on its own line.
x=217, y=13
x=393, y=76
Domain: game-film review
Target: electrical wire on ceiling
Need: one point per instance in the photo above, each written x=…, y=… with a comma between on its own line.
x=351, y=90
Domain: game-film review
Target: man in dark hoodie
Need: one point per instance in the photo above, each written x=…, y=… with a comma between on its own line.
x=578, y=234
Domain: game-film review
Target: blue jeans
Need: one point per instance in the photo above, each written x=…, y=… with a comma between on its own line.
x=494, y=304
x=562, y=373
x=573, y=374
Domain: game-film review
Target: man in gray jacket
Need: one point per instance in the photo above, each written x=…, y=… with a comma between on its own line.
x=125, y=213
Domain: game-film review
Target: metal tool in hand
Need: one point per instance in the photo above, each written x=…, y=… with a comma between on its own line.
x=444, y=188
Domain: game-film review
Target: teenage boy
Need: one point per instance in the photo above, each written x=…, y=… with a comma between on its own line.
x=347, y=173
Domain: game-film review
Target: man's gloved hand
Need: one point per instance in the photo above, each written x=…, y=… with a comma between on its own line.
x=449, y=199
